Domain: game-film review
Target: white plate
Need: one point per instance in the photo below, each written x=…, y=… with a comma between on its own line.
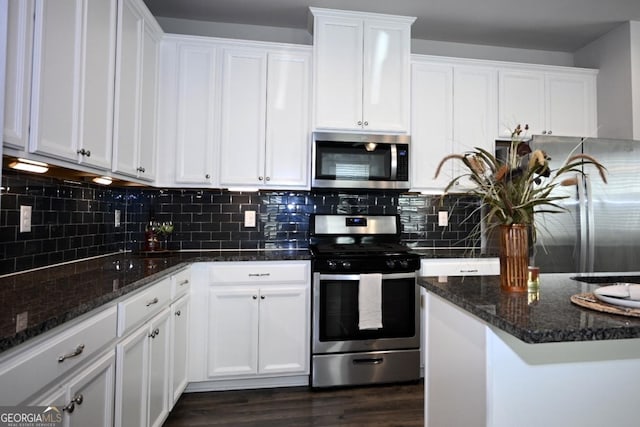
x=604, y=294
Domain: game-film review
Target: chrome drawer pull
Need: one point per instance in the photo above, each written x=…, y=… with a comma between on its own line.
x=184, y=282
x=178, y=313
x=153, y=301
x=72, y=405
x=155, y=333
x=79, y=349
x=368, y=361
x=259, y=274
x=469, y=271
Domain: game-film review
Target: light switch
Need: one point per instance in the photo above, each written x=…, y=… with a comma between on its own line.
x=443, y=218
x=25, y=219
x=249, y=218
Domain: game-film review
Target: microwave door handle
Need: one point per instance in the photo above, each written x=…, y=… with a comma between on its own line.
x=394, y=162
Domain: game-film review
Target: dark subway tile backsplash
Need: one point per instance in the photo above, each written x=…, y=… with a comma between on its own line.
x=75, y=220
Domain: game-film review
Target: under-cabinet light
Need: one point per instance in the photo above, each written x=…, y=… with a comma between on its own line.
x=29, y=166
x=103, y=180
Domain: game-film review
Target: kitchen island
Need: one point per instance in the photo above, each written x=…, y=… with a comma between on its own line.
x=501, y=360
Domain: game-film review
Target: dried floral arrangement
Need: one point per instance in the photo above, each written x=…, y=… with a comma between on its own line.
x=520, y=186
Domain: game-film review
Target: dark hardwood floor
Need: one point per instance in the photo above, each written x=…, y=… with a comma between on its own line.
x=373, y=406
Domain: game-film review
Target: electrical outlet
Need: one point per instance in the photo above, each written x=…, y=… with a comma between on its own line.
x=22, y=320
x=249, y=218
x=117, y=218
x=443, y=218
x=25, y=219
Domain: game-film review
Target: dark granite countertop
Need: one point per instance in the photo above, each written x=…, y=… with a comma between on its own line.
x=58, y=294
x=548, y=316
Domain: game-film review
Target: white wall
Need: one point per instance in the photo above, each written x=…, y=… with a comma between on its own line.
x=301, y=36
x=611, y=55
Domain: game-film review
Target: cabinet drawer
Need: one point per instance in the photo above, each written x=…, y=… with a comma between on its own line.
x=141, y=306
x=44, y=361
x=180, y=283
x=460, y=267
x=260, y=272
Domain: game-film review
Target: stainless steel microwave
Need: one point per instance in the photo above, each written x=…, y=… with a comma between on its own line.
x=360, y=161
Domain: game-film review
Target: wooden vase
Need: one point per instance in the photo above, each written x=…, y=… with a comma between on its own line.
x=514, y=257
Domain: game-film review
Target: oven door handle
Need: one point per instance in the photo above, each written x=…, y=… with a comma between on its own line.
x=356, y=277
x=368, y=361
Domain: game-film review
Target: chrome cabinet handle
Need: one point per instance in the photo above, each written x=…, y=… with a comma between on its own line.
x=268, y=178
x=260, y=178
x=140, y=169
x=79, y=349
x=366, y=123
x=259, y=274
x=184, y=282
x=72, y=405
x=207, y=176
x=254, y=297
x=262, y=297
x=359, y=122
x=153, y=301
x=178, y=313
x=155, y=333
x=84, y=152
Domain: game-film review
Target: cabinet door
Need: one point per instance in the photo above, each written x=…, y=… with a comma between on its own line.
x=386, y=76
x=18, y=73
x=521, y=101
x=97, y=90
x=180, y=311
x=132, y=379
x=55, y=106
x=338, y=57
x=287, y=138
x=243, y=117
x=197, y=122
x=431, y=125
x=92, y=394
x=148, y=104
x=159, y=357
x=233, y=331
x=128, y=96
x=86, y=399
x=284, y=329
x=570, y=104
x=475, y=107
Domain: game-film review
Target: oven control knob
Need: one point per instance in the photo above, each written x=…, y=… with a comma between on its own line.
x=346, y=265
x=332, y=265
x=390, y=263
x=403, y=263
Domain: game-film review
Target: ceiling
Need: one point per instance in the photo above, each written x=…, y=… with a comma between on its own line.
x=555, y=25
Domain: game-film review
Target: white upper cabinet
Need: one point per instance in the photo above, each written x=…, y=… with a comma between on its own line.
x=552, y=101
x=189, y=103
x=136, y=88
x=18, y=74
x=264, y=126
x=361, y=71
x=73, y=74
x=431, y=124
x=244, y=98
x=454, y=110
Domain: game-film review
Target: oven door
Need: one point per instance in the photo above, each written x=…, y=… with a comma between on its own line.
x=335, y=314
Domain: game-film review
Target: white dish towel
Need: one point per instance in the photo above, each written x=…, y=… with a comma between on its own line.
x=370, y=301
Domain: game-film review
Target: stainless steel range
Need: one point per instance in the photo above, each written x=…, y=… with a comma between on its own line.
x=366, y=310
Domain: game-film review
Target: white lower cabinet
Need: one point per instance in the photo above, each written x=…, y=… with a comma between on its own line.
x=142, y=375
x=180, y=311
x=86, y=399
x=256, y=321
x=152, y=354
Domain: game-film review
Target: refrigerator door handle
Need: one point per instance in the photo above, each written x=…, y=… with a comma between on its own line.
x=584, y=224
x=591, y=251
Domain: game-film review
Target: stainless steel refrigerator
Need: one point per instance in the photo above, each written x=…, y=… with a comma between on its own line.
x=600, y=232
